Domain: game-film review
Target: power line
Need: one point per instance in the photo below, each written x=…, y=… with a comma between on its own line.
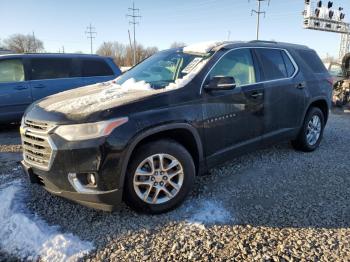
x=134, y=15
x=91, y=35
x=258, y=13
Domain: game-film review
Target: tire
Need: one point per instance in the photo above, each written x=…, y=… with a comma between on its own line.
x=302, y=142
x=148, y=182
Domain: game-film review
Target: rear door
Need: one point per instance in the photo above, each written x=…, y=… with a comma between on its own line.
x=233, y=118
x=15, y=94
x=284, y=93
x=95, y=70
x=51, y=75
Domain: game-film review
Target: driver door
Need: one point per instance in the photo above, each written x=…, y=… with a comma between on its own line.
x=233, y=118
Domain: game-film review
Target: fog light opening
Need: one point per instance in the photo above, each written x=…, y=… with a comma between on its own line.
x=91, y=178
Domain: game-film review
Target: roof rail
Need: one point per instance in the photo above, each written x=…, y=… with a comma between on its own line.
x=263, y=41
x=53, y=53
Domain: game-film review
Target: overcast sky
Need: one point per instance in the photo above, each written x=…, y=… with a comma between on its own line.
x=63, y=23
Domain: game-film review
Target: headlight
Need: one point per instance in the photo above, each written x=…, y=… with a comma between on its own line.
x=89, y=130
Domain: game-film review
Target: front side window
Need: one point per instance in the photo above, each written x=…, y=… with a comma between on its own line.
x=163, y=68
x=51, y=68
x=237, y=64
x=11, y=71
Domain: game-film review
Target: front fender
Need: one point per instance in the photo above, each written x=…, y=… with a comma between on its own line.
x=152, y=131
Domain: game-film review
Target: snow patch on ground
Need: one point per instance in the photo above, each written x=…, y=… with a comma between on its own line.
x=28, y=237
x=201, y=48
x=207, y=212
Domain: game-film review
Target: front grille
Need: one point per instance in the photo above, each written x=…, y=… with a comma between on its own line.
x=35, y=125
x=37, y=147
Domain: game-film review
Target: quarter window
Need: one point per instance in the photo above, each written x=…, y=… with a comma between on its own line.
x=238, y=64
x=313, y=61
x=11, y=71
x=51, y=68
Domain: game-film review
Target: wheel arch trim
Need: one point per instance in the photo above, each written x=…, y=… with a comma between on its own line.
x=317, y=99
x=153, y=131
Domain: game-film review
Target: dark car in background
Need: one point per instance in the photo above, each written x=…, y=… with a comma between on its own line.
x=144, y=137
x=25, y=78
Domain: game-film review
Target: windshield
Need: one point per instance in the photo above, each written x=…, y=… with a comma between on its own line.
x=163, y=68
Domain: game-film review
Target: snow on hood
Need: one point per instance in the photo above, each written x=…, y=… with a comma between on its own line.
x=89, y=99
x=30, y=238
x=202, y=48
x=83, y=101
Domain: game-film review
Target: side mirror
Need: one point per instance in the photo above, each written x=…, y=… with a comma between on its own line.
x=221, y=83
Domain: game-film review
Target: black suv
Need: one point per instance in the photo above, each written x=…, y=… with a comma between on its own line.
x=145, y=136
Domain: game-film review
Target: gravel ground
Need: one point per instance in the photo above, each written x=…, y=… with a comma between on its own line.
x=274, y=204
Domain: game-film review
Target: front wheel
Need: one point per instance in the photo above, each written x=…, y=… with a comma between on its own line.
x=311, y=133
x=159, y=177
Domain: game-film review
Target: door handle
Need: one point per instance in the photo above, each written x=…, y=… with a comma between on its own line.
x=301, y=85
x=39, y=86
x=21, y=87
x=256, y=94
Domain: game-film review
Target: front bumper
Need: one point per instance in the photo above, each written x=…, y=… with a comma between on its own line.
x=97, y=156
x=104, y=200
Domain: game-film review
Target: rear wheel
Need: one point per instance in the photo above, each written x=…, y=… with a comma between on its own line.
x=310, y=135
x=159, y=177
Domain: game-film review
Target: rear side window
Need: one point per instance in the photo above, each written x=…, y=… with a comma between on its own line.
x=11, y=71
x=95, y=67
x=276, y=63
x=313, y=61
x=51, y=68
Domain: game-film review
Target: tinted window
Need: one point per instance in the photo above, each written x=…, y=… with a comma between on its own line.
x=11, y=70
x=51, y=68
x=312, y=60
x=272, y=63
x=289, y=65
x=238, y=64
x=95, y=67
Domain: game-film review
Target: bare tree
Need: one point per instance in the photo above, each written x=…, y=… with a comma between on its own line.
x=123, y=54
x=177, y=44
x=24, y=44
x=329, y=59
x=143, y=53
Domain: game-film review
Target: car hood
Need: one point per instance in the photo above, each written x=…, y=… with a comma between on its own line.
x=81, y=102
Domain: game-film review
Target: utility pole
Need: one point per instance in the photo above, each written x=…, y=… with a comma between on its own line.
x=34, y=43
x=91, y=35
x=134, y=15
x=258, y=13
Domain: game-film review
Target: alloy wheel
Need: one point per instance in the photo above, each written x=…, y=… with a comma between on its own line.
x=158, y=178
x=313, y=131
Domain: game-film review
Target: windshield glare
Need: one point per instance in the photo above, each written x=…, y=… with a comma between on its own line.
x=162, y=69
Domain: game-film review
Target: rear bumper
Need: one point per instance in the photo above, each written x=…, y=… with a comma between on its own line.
x=103, y=200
